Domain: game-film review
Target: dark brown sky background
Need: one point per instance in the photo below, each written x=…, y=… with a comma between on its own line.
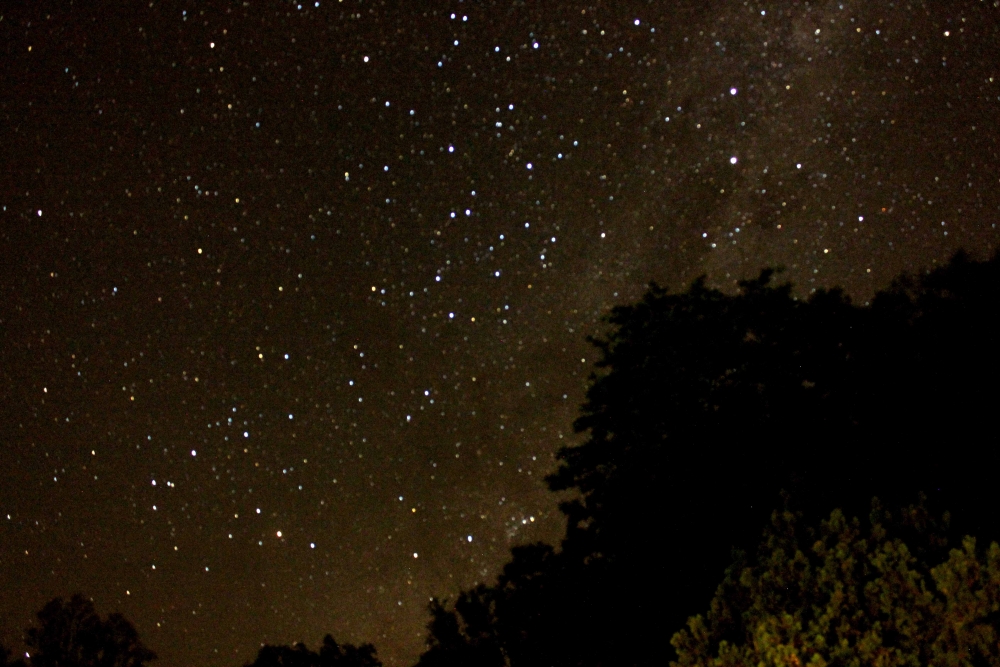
x=294, y=297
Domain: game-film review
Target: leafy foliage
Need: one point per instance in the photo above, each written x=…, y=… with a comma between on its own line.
x=840, y=595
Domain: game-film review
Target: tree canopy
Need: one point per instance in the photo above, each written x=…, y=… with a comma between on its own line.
x=70, y=633
x=703, y=407
x=840, y=594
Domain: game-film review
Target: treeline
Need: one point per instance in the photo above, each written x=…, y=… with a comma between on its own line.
x=70, y=633
x=712, y=415
x=706, y=406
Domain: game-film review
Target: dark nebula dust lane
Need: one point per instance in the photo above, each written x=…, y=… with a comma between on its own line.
x=294, y=297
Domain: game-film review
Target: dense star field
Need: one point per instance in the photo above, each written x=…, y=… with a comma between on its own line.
x=294, y=297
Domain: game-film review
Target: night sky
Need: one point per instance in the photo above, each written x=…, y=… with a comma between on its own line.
x=294, y=297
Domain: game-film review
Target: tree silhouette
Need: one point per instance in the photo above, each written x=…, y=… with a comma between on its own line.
x=842, y=595
x=72, y=634
x=704, y=406
x=466, y=635
x=331, y=654
x=709, y=404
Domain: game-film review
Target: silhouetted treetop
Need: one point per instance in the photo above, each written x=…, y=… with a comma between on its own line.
x=522, y=620
x=704, y=407
x=70, y=633
x=703, y=390
x=331, y=654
